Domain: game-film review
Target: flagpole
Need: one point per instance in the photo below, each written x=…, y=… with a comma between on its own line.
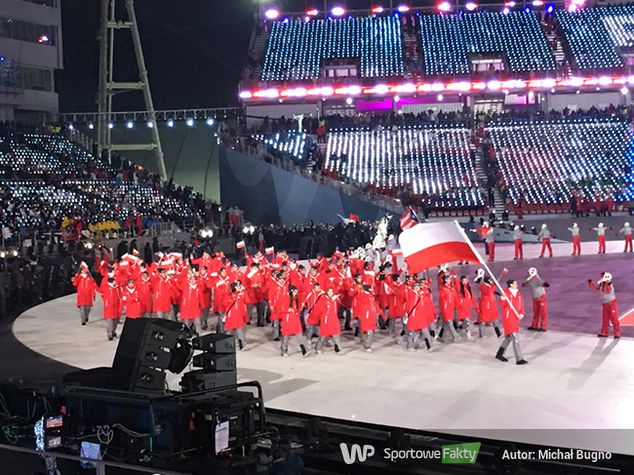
x=486, y=267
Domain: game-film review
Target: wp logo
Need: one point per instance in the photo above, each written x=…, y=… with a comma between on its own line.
x=356, y=452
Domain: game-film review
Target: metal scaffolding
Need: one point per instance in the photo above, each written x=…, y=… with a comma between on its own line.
x=108, y=87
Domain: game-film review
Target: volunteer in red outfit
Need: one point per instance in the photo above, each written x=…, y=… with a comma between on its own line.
x=396, y=301
x=291, y=323
x=109, y=291
x=86, y=289
x=190, y=301
x=610, y=310
x=483, y=232
x=131, y=300
x=600, y=230
x=162, y=293
x=418, y=316
x=576, y=240
x=512, y=313
x=366, y=310
x=329, y=321
x=144, y=285
x=540, y=305
x=488, y=314
x=447, y=306
x=626, y=231
x=466, y=305
x=236, y=313
x=518, y=235
x=544, y=236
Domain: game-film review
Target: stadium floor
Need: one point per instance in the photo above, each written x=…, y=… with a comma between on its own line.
x=575, y=392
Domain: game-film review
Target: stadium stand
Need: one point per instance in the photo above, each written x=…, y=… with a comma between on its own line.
x=546, y=161
x=296, y=48
x=597, y=36
x=291, y=144
x=45, y=178
x=448, y=41
x=434, y=161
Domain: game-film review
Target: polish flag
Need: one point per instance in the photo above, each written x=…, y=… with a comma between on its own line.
x=627, y=319
x=269, y=250
x=240, y=245
x=431, y=244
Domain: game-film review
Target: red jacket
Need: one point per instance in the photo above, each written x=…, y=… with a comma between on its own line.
x=488, y=306
x=86, y=289
x=366, y=310
x=236, y=310
x=111, y=300
x=466, y=304
x=131, y=301
x=510, y=320
x=291, y=324
x=277, y=292
x=329, y=320
x=221, y=291
x=310, y=302
x=205, y=290
x=417, y=311
x=396, y=301
x=145, y=294
x=447, y=303
x=190, y=301
x=162, y=293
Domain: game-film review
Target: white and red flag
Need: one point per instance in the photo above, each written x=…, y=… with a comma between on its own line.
x=240, y=245
x=426, y=245
x=269, y=250
x=409, y=219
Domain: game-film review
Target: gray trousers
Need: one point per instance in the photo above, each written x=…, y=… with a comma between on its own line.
x=494, y=323
x=166, y=315
x=260, y=309
x=391, y=326
x=414, y=335
x=221, y=325
x=84, y=311
x=299, y=339
x=111, y=326
x=449, y=327
x=313, y=330
x=513, y=337
x=146, y=315
x=366, y=339
x=276, y=329
x=322, y=339
x=240, y=335
x=204, y=317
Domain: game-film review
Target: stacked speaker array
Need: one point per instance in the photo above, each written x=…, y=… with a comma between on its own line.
x=217, y=363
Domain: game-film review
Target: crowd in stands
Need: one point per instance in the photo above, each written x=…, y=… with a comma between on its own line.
x=49, y=185
x=416, y=45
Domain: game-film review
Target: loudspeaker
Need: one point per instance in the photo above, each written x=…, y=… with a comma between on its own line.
x=210, y=361
x=215, y=343
x=145, y=352
x=199, y=380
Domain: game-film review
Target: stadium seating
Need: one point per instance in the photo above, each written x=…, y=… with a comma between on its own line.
x=297, y=48
x=45, y=177
x=596, y=36
x=545, y=160
x=435, y=161
x=449, y=40
x=292, y=144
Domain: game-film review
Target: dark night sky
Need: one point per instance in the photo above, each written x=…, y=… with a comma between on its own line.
x=194, y=50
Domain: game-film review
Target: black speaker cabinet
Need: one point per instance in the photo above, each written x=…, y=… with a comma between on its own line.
x=215, y=343
x=210, y=361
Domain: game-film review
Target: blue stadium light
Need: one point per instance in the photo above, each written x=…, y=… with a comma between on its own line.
x=170, y=122
x=527, y=9
x=150, y=124
x=210, y=121
x=471, y=5
x=71, y=127
x=91, y=126
x=190, y=122
x=130, y=124
x=506, y=10
x=338, y=11
x=550, y=7
x=110, y=125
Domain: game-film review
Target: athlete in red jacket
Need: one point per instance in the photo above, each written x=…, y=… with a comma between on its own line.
x=512, y=313
x=366, y=310
x=236, y=313
x=190, y=301
x=291, y=323
x=329, y=327
x=109, y=291
x=131, y=300
x=418, y=316
x=86, y=289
